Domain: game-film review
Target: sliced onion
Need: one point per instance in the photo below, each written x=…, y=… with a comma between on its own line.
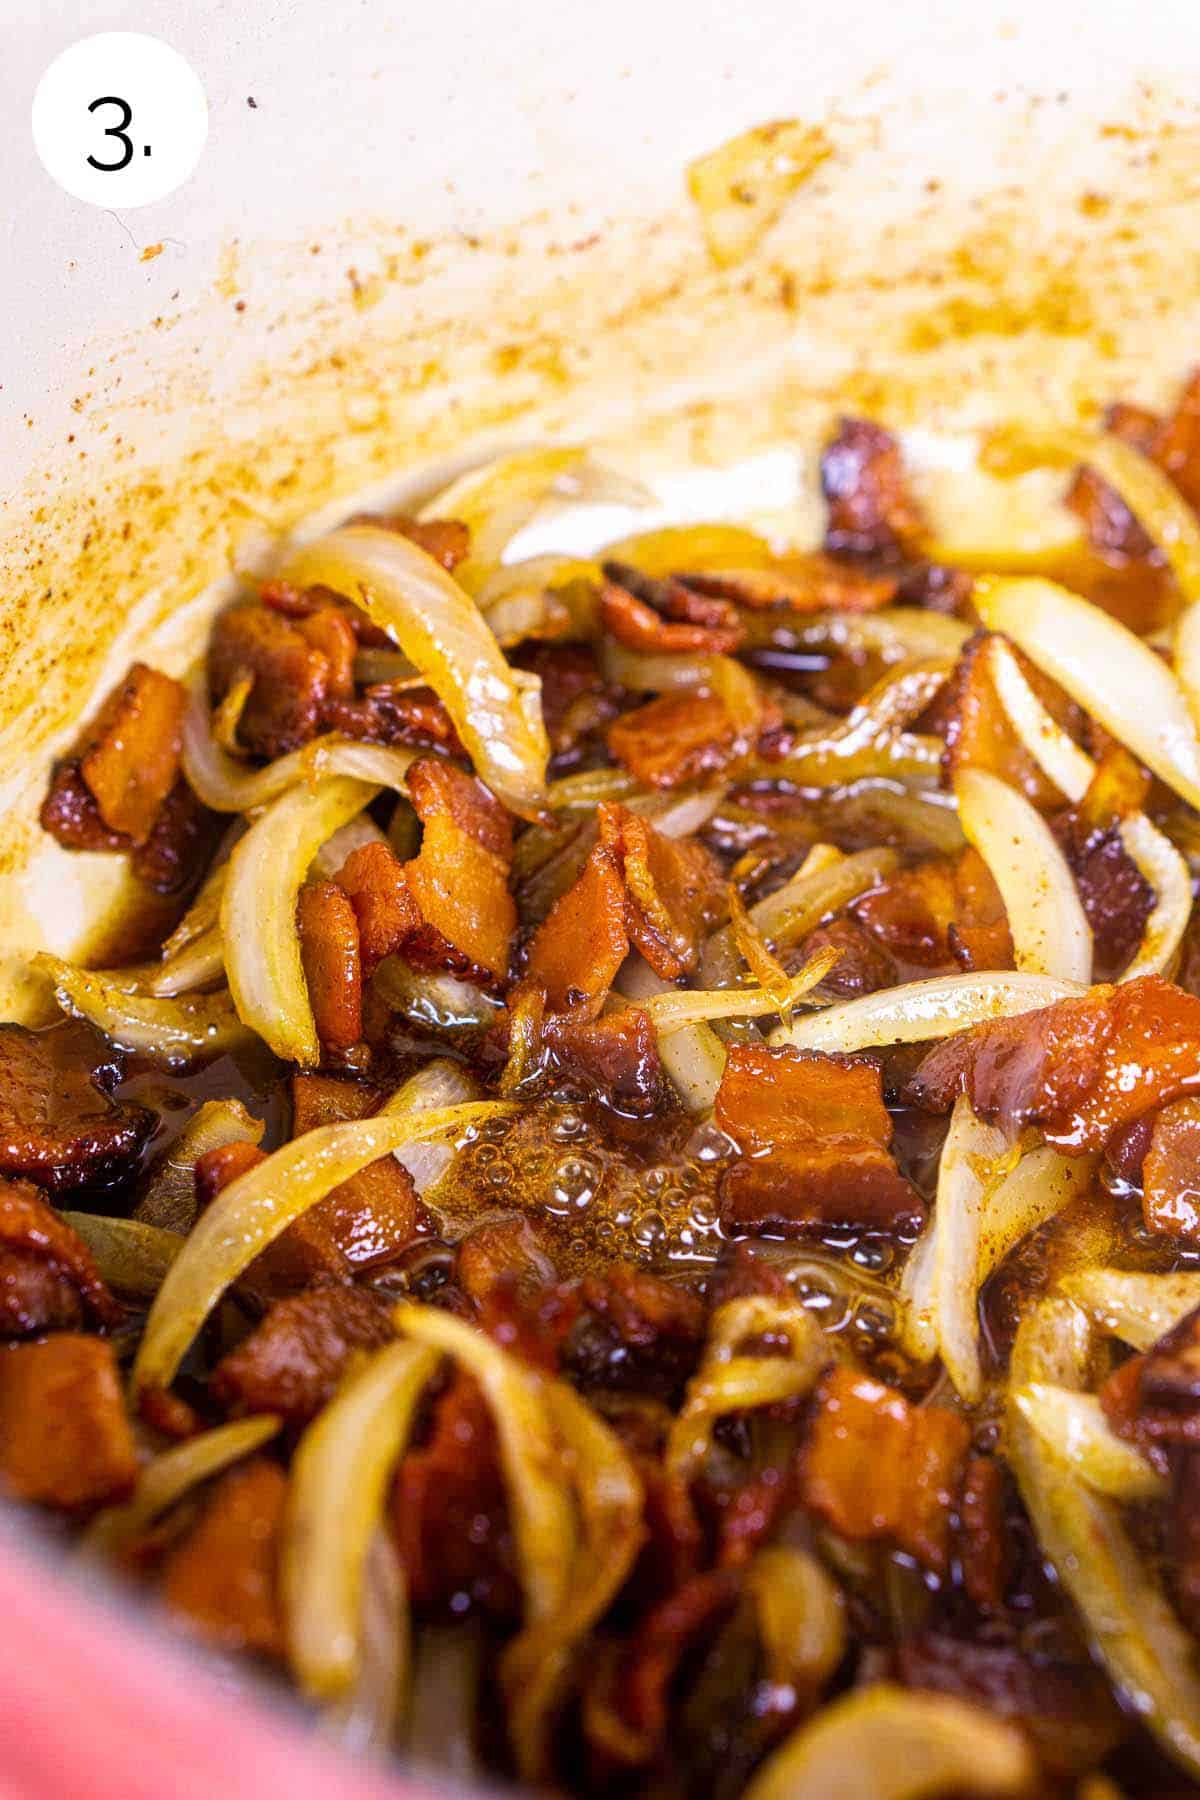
x=681, y=814
x=228, y=715
x=919, y=1011
x=588, y=789
x=692, y=1055
x=433, y=998
x=1074, y=1425
x=340, y=1476
x=539, y=1506
x=691, y=549
x=894, y=632
x=537, y=1664
x=1111, y=673
x=445, y=1692
x=255, y=1208
x=1138, y=1309
x=677, y=1007
x=199, y=964
x=496, y=711
x=227, y=785
x=165, y=1481
x=1149, y=1656
x=440, y=1083
x=728, y=1382
x=787, y=915
x=367, y=1718
x=1050, y=932
x=170, y=1197
x=656, y=671
x=171, y=1031
x=871, y=739
x=258, y=912
x=133, y=1258
x=1071, y=769
x=801, y=1617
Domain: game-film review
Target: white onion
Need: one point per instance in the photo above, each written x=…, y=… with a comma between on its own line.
x=922, y=1010
x=1050, y=932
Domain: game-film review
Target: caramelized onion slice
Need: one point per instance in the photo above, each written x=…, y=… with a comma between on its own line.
x=367, y=1718
x=536, y=1665
x=676, y=1007
x=256, y=1207
x=1074, y=1425
x=170, y=1196
x=919, y=1011
x=132, y=1257
x=887, y=1743
x=1111, y=673
x=172, y=1031
x=1050, y=932
x=175, y=1473
x=1138, y=1309
x=728, y=1382
x=258, y=912
x=673, y=549
x=1149, y=1656
x=543, y=1518
x=340, y=1474
x=801, y=1617
x=692, y=1055
x=440, y=1083
x=496, y=712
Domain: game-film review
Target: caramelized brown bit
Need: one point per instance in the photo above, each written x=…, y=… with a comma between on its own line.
x=448, y=541
x=222, y=1581
x=371, y=1217
x=1080, y=1069
x=635, y=1332
x=56, y=1126
x=863, y=965
x=1184, y=1536
x=674, y=890
x=871, y=512
x=384, y=909
x=614, y=1058
x=1171, y=1171
x=983, y=1543
x=292, y=1362
x=391, y=712
x=330, y=632
x=663, y=1640
x=576, y=699
x=181, y=839
x=132, y=760
x=813, y=1132
x=65, y=1439
x=70, y=814
x=39, y=1253
x=649, y=615
x=502, y=1250
x=291, y=678
x=677, y=738
x=877, y=1467
x=800, y=584
x=215, y=1169
x=459, y=880
x=328, y=932
x=450, y=1513
x=942, y=914
x=576, y=951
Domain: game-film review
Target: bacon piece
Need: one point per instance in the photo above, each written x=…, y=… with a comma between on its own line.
x=677, y=738
x=1175, y=446
x=799, y=584
x=814, y=1136
x=1109, y=525
x=459, y=879
x=180, y=843
x=391, y=712
x=983, y=1542
x=450, y=1513
x=1080, y=1069
x=448, y=541
x=328, y=929
x=1184, y=1537
x=329, y=631
x=1171, y=1171
x=43, y=1261
x=215, y=1169
x=1154, y=1399
x=384, y=909
x=675, y=892
x=1061, y=1699
x=576, y=951
x=976, y=726
x=876, y=1467
x=692, y=1613
x=635, y=1332
x=372, y=1217
x=70, y=814
x=502, y=1250
x=871, y=512
x=652, y=615
x=222, y=1581
x=132, y=759
x=613, y=1059
x=56, y=1126
x=291, y=677
x=941, y=914
x=65, y=1438
x=292, y=1362
x=576, y=699
x=863, y=965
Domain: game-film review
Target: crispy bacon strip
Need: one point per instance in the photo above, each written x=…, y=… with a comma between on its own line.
x=459, y=879
x=876, y=1467
x=222, y=1581
x=384, y=909
x=1081, y=1069
x=652, y=615
x=673, y=890
x=576, y=951
x=814, y=1136
x=132, y=761
x=292, y=1362
x=329, y=951
x=677, y=738
x=871, y=512
x=291, y=677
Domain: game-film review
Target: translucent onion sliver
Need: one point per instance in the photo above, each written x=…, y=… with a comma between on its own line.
x=919, y=1011
x=1050, y=931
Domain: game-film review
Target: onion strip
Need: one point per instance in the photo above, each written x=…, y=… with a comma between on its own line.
x=255, y=1208
x=1138, y=1309
x=787, y=915
x=542, y=1516
x=258, y=912
x=919, y=1011
x=496, y=712
x=677, y=1007
x=340, y=1474
x=172, y=1031
x=1073, y=1424
x=132, y=1257
x=1050, y=932
x=170, y=1476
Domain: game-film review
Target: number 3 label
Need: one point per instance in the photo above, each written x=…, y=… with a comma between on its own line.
x=120, y=119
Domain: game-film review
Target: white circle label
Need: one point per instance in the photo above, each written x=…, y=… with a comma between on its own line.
x=120, y=119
